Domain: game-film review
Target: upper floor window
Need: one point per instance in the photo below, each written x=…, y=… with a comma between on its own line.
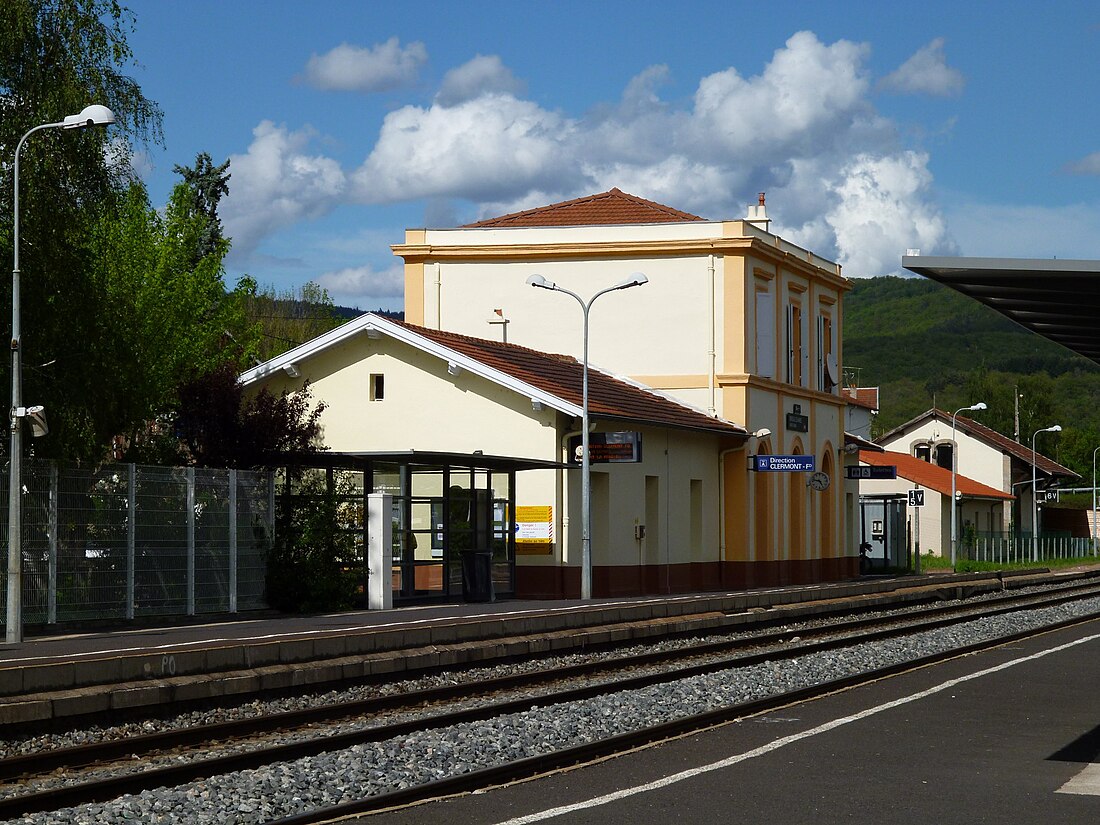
x=797, y=354
x=377, y=386
x=765, y=334
x=827, y=379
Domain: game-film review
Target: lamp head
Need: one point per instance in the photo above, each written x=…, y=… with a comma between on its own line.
x=763, y=432
x=94, y=115
x=1057, y=428
x=540, y=282
x=979, y=406
x=637, y=279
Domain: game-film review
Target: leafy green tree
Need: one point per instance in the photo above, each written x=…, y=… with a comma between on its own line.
x=288, y=318
x=56, y=57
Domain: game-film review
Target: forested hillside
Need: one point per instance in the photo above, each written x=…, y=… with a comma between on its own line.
x=923, y=344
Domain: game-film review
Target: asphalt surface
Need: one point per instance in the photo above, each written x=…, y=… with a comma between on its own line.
x=960, y=744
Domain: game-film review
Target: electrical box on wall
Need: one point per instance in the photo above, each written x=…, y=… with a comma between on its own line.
x=639, y=532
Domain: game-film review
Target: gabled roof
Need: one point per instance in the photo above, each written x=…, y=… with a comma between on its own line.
x=606, y=208
x=553, y=380
x=866, y=397
x=991, y=437
x=931, y=476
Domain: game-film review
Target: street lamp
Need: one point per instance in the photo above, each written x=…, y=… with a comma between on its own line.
x=954, y=475
x=1056, y=428
x=637, y=279
x=94, y=115
x=1094, y=501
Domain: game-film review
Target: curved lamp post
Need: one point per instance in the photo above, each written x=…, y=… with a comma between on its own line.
x=1056, y=428
x=637, y=279
x=1094, y=500
x=94, y=115
x=954, y=475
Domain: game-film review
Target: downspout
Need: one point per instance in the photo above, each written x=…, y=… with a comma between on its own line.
x=713, y=354
x=438, y=297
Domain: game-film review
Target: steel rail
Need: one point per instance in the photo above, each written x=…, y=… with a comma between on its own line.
x=111, y=787
x=46, y=761
x=601, y=749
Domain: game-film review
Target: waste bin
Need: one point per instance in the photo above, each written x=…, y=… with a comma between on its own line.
x=477, y=575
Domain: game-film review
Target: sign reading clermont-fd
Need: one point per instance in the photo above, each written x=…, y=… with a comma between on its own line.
x=783, y=463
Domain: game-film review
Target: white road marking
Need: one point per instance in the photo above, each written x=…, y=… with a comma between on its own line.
x=1086, y=783
x=666, y=781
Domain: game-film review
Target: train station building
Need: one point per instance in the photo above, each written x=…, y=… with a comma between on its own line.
x=728, y=352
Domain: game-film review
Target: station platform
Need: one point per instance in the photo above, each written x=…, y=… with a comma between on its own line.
x=54, y=676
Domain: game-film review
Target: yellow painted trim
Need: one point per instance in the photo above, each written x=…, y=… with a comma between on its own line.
x=801, y=393
x=414, y=293
x=673, y=382
x=421, y=251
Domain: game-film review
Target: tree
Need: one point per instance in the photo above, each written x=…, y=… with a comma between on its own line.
x=56, y=57
x=206, y=183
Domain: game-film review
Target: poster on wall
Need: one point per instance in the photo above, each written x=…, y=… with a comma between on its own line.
x=534, y=529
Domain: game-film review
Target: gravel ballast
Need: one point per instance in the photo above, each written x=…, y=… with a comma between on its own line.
x=284, y=789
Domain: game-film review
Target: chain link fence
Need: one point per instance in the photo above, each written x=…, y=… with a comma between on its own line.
x=128, y=541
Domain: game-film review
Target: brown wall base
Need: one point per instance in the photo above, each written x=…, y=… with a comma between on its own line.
x=652, y=580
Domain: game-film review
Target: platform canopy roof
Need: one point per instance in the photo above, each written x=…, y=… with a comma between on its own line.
x=1058, y=299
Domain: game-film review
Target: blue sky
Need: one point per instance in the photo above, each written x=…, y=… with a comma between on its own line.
x=955, y=128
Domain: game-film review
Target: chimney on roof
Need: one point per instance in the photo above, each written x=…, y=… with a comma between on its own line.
x=758, y=214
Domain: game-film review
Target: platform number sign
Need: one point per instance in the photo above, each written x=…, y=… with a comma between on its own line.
x=916, y=498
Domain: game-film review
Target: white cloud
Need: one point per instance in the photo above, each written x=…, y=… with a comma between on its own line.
x=926, y=72
x=276, y=183
x=480, y=149
x=378, y=68
x=483, y=75
x=1088, y=165
x=804, y=130
x=880, y=209
x=363, y=286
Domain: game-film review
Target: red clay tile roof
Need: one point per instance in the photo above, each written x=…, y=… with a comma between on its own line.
x=931, y=476
x=1002, y=442
x=561, y=375
x=861, y=396
x=611, y=207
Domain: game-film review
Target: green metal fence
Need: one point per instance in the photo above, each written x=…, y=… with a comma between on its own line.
x=1009, y=548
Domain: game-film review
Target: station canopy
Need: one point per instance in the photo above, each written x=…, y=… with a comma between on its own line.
x=1058, y=299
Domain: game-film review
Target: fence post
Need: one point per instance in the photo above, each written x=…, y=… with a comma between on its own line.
x=131, y=540
x=232, y=541
x=190, y=541
x=51, y=536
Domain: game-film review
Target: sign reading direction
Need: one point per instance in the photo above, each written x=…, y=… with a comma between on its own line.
x=783, y=464
x=916, y=498
x=883, y=471
x=608, y=448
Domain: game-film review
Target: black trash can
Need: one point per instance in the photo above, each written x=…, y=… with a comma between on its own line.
x=477, y=575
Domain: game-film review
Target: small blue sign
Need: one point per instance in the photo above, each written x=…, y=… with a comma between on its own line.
x=783, y=463
x=876, y=471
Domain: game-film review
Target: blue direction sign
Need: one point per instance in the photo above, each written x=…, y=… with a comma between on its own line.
x=883, y=471
x=783, y=463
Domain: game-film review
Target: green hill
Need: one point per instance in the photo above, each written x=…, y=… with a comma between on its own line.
x=923, y=344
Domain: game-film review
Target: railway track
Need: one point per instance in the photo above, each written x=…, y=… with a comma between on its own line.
x=29, y=790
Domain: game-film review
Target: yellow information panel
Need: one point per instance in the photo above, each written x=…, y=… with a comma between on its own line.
x=534, y=529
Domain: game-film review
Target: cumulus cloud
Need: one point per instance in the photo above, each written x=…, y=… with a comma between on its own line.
x=378, y=68
x=926, y=72
x=364, y=286
x=1088, y=165
x=276, y=183
x=804, y=129
x=485, y=74
x=478, y=150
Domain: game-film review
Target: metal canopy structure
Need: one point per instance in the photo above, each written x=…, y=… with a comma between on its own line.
x=1057, y=299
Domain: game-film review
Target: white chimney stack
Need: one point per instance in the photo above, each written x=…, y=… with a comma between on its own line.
x=758, y=214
